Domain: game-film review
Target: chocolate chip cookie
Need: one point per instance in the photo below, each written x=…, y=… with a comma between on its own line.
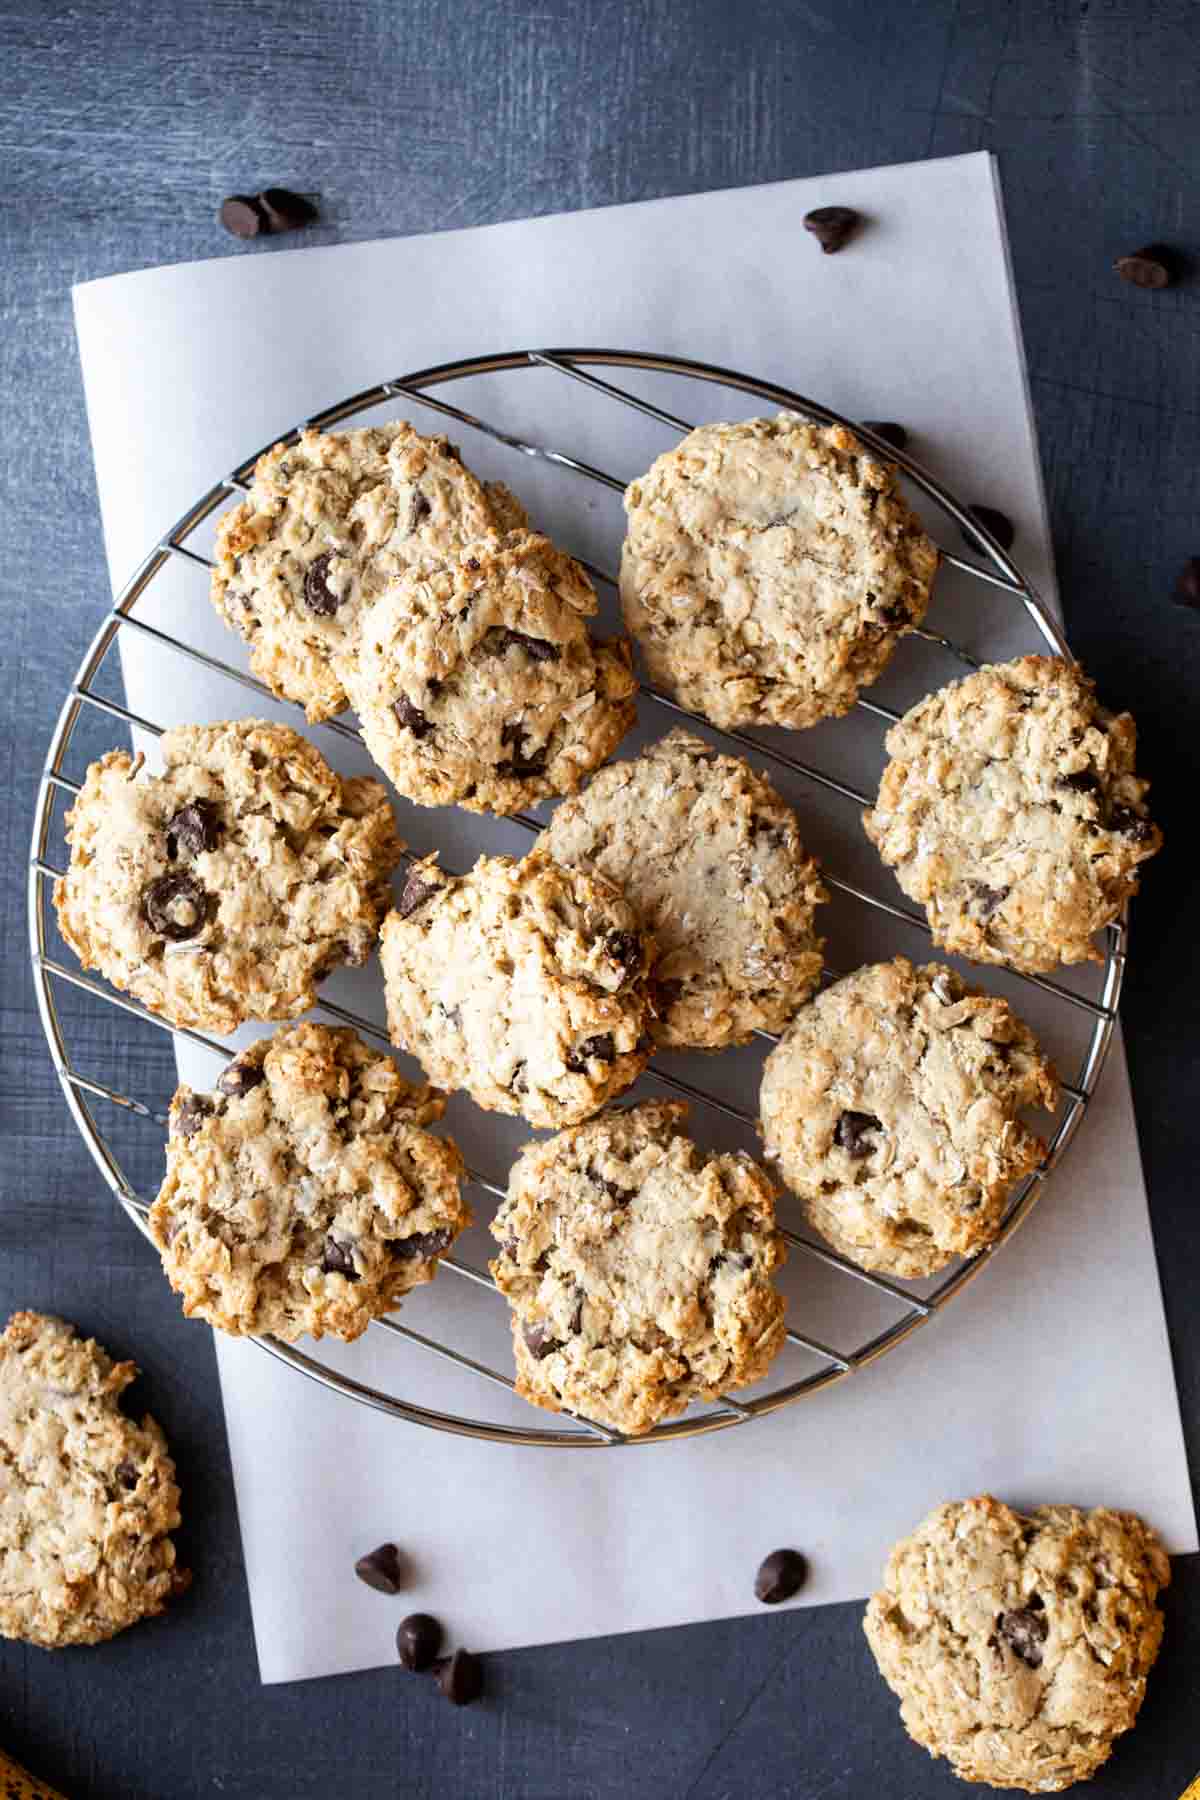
x=638, y=1269
x=328, y=523
x=770, y=569
x=88, y=1496
x=1019, y=1645
x=710, y=858
x=226, y=887
x=522, y=982
x=304, y=1194
x=892, y=1108
x=477, y=683
x=1011, y=811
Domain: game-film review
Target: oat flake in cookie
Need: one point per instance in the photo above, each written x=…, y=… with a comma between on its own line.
x=304, y=1194
x=227, y=887
x=1011, y=811
x=1019, y=1645
x=522, y=982
x=477, y=682
x=328, y=522
x=88, y=1496
x=770, y=569
x=638, y=1269
x=891, y=1107
x=710, y=858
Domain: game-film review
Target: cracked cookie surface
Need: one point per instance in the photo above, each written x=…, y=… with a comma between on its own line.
x=769, y=570
x=88, y=1495
x=304, y=1194
x=478, y=684
x=638, y=1269
x=1010, y=809
x=891, y=1109
x=522, y=982
x=1019, y=1645
x=710, y=858
x=328, y=523
x=225, y=888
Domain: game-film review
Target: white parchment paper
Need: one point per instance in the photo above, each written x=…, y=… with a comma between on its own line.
x=1038, y=1379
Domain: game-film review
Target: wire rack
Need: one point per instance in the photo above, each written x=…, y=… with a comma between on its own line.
x=85, y=1096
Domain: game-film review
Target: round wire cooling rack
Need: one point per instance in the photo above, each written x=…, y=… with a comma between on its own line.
x=82, y=1092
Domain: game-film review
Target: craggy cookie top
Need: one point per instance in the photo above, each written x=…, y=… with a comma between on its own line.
x=226, y=887
x=710, y=858
x=304, y=1194
x=1019, y=1646
x=1011, y=811
x=477, y=683
x=522, y=982
x=328, y=522
x=769, y=570
x=87, y=1496
x=891, y=1106
x=638, y=1268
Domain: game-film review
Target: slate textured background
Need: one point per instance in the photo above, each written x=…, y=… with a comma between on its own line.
x=121, y=127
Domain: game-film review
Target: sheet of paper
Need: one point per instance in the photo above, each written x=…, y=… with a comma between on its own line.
x=1030, y=1380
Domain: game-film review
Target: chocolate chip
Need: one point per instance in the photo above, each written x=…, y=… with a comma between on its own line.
x=519, y=765
x=418, y=508
x=602, y=1048
x=625, y=947
x=190, y=1114
x=780, y=1575
x=460, y=1677
x=516, y=1081
x=337, y=1260
x=382, y=1569
x=832, y=226
x=1187, y=583
x=618, y=1195
x=418, y=1640
x=1083, y=781
x=240, y=1077
x=416, y=893
x=126, y=1474
x=1025, y=1631
x=423, y=1244
x=194, y=828
x=1153, y=266
x=576, y=1325
x=987, y=899
x=242, y=214
x=286, y=211
x=850, y=1133
x=893, y=612
x=889, y=431
x=993, y=520
x=410, y=717
x=539, y=1342
x=1130, y=824
x=499, y=639
x=318, y=596
x=176, y=906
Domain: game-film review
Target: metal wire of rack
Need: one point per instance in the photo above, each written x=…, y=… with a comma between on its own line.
x=80, y=1090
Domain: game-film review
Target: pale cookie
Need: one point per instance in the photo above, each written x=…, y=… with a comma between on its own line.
x=477, y=682
x=227, y=887
x=638, y=1269
x=328, y=522
x=87, y=1497
x=304, y=1194
x=710, y=858
x=891, y=1107
x=770, y=569
x=522, y=982
x=1011, y=811
x=1019, y=1646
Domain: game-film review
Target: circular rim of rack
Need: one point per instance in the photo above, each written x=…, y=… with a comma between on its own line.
x=76, y=1089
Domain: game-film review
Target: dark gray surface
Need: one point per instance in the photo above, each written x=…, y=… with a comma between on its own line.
x=121, y=127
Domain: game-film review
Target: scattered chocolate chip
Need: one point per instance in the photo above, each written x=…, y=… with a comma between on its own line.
x=1025, y=1631
x=418, y=508
x=780, y=1575
x=618, y=1195
x=518, y=764
x=382, y=1569
x=418, y=1640
x=240, y=1077
x=499, y=639
x=832, y=226
x=1153, y=266
x=994, y=521
x=1130, y=824
x=1187, y=583
x=624, y=947
x=194, y=828
x=517, y=1081
x=318, y=596
x=421, y=1244
x=190, y=1114
x=176, y=906
x=576, y=1325
x=893, y=612
x=540, y=1342
x=126, y=1474
x=416, y=893
x=850, y=1132
x=1083, y=781
x=460, y=1677
x=242, y=214
x=889, y=431
x=410, y=717
x=286, y=211
x=337, y=1260
x=987, y=899
x=602, y=1048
